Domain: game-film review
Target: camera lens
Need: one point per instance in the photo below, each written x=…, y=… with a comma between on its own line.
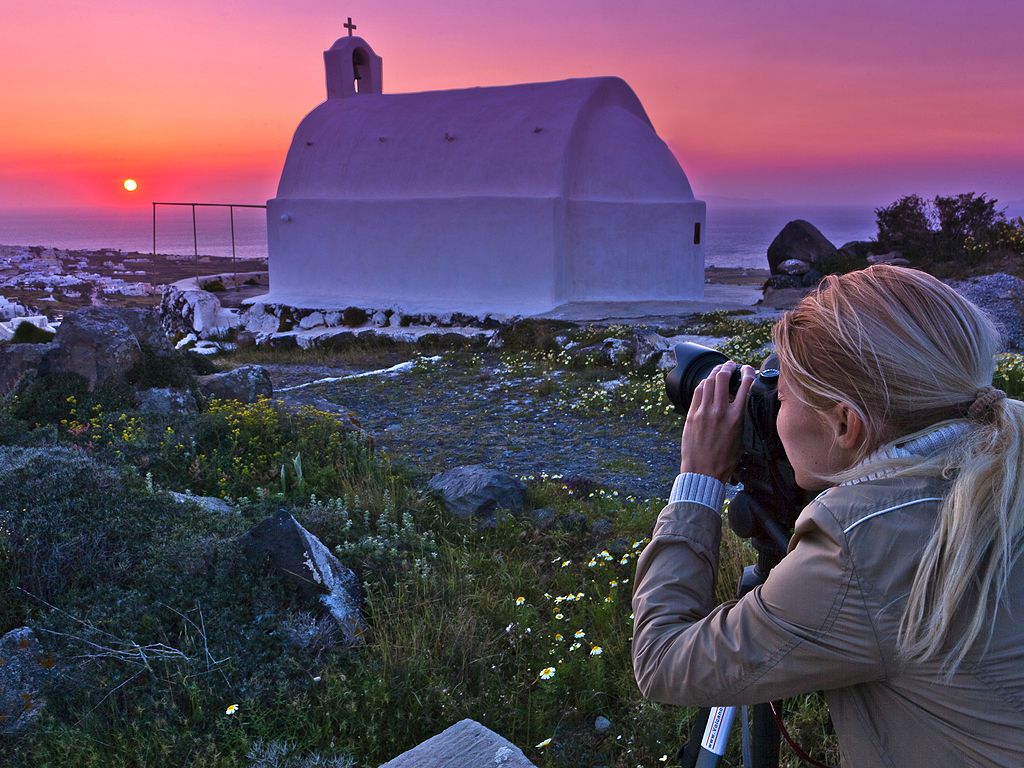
x=694, y=364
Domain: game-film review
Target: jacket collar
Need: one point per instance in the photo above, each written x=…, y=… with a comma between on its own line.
x=932, y=442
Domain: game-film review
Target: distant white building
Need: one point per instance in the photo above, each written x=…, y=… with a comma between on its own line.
x=511, y=199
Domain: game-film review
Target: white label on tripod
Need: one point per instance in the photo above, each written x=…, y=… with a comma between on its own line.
x=716, y=734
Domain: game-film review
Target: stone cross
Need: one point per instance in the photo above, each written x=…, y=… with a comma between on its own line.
x=349, y=26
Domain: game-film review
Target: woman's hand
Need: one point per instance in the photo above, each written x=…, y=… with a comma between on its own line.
x=711, y=443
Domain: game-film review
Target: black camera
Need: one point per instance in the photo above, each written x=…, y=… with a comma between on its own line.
x=766, y=507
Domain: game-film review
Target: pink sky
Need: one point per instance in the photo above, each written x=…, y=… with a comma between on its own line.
x=807, y=101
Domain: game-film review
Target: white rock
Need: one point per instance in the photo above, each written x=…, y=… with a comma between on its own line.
x=312, y=320
x=184, y=342
x=256, y=319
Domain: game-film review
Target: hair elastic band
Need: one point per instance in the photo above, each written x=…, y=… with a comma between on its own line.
x=984, y=400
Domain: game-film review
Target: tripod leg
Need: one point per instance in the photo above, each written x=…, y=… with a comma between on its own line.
x=690, y=751
x=765, y=738
x=716, y=736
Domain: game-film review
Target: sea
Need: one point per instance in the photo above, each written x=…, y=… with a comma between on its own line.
x=736, y=235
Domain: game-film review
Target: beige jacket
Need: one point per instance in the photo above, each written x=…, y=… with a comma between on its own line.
x=827, y=619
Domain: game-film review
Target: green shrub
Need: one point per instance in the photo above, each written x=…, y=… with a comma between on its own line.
x=46, y=398
x=1009, y=375
x=166, y=368
x=535, y=335
x=27, y=333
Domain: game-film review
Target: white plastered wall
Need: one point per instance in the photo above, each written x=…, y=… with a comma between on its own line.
x=457, y=254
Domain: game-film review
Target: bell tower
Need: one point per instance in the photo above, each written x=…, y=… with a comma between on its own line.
x=352, y=67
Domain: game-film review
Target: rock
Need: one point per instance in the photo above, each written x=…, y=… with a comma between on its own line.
x=860, y=249
x=209, y=503
x=602, y=724
x=317, y=573
x=794, y=267
x=893, y=258
x=666, y=361
x=467, y=744
x=543, y=518
x=16, y=360
x=312, y=320
x=258, y=320
x=799, y=240
x=97, y=344
x=379, y=319
x=167, y=402
x=601, y=528
x=810, y=278
x=617, y=350
x=332, y=319
x=354, y=316
x=144, y=323
x=648, y=348
x=185, y=341
x=476, y=491
x=246, y=383
x=23, y=668
x=575, y=521
x=1002, y=297
x=183, y=310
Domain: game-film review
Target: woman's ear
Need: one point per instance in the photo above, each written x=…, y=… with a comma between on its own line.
x=848, y=427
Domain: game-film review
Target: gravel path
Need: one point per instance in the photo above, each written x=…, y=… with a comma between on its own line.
x=454, y=414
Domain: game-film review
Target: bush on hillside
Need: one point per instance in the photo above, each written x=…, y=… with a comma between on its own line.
x=27, y=333
x=947, y=228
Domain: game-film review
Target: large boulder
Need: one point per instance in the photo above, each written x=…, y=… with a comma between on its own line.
x=316, y=572
x=16, y=360
x=144, y=323
x=23, y=668
x=246, y=383
x=1002, y=297
x=97, y=344
x=467, y=744
x=802, y=241
x=477, y=492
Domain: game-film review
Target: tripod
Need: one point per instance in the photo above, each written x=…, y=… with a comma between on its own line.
x=761, y=743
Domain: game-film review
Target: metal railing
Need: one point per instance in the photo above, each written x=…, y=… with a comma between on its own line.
x=195, y=237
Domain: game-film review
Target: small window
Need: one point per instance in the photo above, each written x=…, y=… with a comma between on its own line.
x=696, y=233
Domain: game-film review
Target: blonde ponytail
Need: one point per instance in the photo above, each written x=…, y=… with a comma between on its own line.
x=975, y=543
x=908, y=353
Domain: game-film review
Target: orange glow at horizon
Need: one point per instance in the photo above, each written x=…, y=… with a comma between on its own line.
x=809, y=100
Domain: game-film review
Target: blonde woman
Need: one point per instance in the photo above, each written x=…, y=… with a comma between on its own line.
x=902, y=595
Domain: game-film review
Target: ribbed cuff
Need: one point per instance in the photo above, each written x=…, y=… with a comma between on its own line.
x=698, y=489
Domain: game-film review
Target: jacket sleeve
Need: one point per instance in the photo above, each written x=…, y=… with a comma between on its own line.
x=805, y=629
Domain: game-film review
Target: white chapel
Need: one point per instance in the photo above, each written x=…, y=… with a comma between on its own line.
x=512, y=199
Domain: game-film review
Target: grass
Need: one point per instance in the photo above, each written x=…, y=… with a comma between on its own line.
x=462, y=623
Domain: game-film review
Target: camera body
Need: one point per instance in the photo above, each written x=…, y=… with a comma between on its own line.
x=766, y=507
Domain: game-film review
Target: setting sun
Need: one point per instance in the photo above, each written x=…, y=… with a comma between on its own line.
x=131, y=185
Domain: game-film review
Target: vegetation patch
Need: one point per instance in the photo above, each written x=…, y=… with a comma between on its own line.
x=170, y=647
x=27, y=333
